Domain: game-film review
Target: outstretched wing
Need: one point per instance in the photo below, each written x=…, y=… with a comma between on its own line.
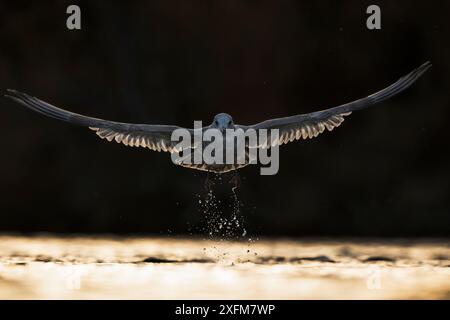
x=154, y=137
x=312, y=124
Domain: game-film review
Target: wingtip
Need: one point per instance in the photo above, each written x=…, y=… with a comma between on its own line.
x=14, y=98
x=426, y=65
x=9, y=92
x=14, y=95
x=422, y=69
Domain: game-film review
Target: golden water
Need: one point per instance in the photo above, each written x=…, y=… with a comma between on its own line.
x=48, y=267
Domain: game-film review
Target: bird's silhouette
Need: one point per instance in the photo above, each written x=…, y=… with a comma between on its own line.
x=158, y=137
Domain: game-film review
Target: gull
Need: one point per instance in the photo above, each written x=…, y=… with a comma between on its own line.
x=158, y=137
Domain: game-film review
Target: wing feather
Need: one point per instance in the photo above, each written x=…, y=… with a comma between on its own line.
x=310, y=125
x=153, y=137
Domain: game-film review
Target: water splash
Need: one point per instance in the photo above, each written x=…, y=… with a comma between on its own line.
x=222, y=213
x=222, y=221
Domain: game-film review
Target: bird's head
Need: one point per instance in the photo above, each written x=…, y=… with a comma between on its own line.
x=223, y=121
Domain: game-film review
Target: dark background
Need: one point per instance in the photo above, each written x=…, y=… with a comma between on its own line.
x=384, y=172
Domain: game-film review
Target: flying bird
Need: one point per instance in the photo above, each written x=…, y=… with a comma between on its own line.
x=158, y=137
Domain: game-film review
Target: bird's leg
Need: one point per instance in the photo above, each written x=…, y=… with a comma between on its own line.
x=235, y=180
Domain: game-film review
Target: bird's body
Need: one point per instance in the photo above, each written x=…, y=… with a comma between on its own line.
x=158, y=137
